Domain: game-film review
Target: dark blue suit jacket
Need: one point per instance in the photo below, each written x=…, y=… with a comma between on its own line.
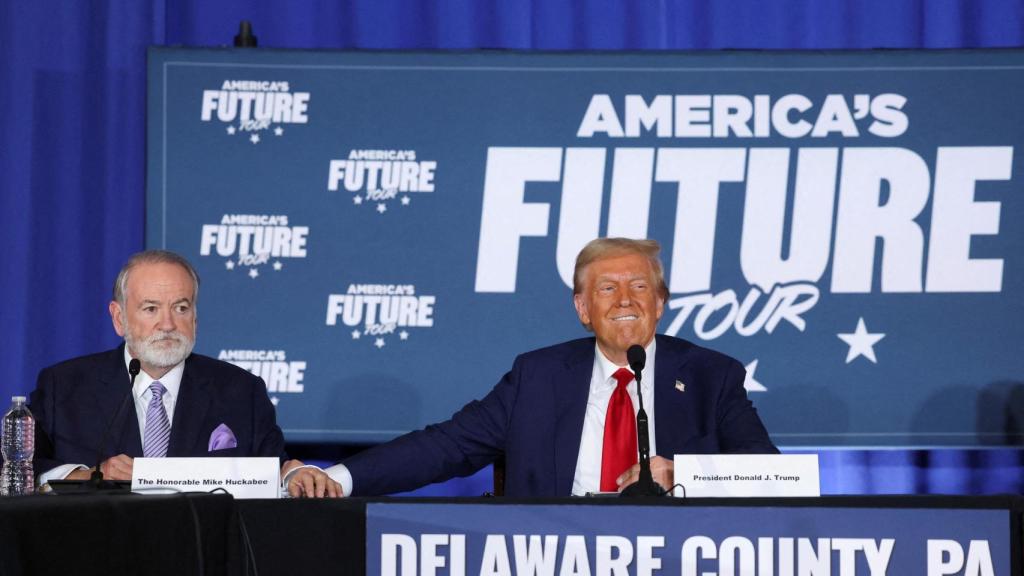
x=75, y=400
x=534, y=416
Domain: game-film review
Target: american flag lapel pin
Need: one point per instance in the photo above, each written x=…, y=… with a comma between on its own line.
x=680, y=386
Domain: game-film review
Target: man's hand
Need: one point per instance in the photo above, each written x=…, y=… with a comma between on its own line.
x=310, y=482
x=661, y=470
x=115, y=468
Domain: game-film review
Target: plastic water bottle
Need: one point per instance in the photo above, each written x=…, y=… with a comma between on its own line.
x=18, y=440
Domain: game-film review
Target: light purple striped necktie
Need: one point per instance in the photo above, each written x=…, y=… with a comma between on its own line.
x=158, y=429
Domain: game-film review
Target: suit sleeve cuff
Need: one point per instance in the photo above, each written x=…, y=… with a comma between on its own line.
x=340, y=474
x=59, y=473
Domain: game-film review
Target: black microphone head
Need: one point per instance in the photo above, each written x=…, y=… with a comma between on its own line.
x=133, y=367
x=637, y=357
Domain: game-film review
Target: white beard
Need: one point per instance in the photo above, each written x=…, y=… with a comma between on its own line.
x=162, y=356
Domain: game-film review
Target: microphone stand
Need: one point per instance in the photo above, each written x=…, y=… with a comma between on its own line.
x=96, y=483
x=645, y=486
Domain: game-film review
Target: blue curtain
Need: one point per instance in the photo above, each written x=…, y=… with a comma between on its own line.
x=72, y=137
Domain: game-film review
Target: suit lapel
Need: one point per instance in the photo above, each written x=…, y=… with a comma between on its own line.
x=669, y=403
x=114, y=385
x=571, y=384
x=189, y=412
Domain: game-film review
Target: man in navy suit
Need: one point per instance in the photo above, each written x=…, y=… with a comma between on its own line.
x=184, y=404
x=558, y=416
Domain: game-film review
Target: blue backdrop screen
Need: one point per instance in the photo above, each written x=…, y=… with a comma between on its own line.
x=379, y=234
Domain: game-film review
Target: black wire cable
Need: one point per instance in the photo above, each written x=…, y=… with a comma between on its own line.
x=201, y=569
x=250, y=553
x=672, y=489
x=250, y=556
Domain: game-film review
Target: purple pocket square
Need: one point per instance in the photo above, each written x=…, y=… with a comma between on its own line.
x=222, y=438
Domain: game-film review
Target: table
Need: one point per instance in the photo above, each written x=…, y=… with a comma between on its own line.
x=113, y=534
x=206, y=534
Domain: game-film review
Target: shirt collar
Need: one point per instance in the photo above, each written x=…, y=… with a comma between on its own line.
x=606, y=368
x=171, y=380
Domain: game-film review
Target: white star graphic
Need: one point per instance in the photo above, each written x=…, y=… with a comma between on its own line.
x=277, y=265
x=382, y=208
x=231, y=130
x=403, y=335
x=255, y=138
x=379, y=343
x=861, y=342
x=355, y=334
x=274, y=400
x=253, y=272
x=357, y=200
x=278, y=131
x=405, y=200
x=749, y=383
x=229, y=265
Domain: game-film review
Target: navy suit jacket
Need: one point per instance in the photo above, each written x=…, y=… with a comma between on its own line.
x=75, y=400
x=534, y=416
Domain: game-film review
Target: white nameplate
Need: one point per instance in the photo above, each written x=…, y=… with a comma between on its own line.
x=746, y=475
x=242, y=477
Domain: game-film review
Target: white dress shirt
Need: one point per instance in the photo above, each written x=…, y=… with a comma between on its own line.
x=602, y=384
x=142, y=393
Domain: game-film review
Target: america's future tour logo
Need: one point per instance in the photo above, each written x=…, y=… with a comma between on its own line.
x=253, y=242
x=377, y=313
x=253, y=106
x=823, y=229
x=282, y=375
x=379, y=178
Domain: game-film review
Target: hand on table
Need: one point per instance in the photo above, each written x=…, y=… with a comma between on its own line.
x=661, y=470
x=114, y=468
x=310, y=482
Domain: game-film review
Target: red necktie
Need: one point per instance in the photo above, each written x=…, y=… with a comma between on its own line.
x=620, y=447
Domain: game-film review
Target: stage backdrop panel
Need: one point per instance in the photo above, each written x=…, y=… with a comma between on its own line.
x=379, y=234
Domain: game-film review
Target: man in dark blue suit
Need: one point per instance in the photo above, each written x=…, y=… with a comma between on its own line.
x=563, y=416
x=184, y=404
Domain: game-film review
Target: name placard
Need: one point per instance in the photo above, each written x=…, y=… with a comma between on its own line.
x=241, y=477
x=747, y=475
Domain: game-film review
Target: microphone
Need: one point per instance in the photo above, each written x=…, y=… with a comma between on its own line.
x=96, y=480
x=637, y=358
x=645, y=484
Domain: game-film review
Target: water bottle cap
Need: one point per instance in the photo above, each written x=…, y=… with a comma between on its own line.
x=18, y=399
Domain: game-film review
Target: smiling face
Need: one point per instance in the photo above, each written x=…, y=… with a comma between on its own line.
x=157, y=318
x=621, y=302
